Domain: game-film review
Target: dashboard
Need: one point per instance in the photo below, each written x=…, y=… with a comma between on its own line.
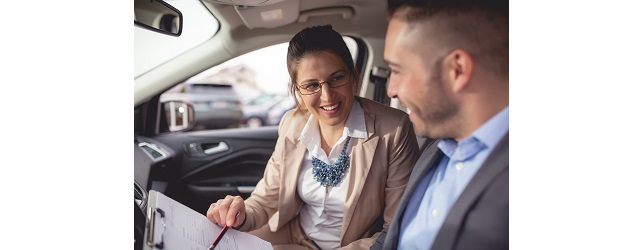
x=150, y=158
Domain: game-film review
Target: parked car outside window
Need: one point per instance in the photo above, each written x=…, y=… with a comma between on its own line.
x=256, y=110
x=277, y=112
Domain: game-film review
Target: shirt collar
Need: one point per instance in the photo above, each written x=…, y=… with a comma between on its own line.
x=494, y=129
x=489, y=134
x=355, y=126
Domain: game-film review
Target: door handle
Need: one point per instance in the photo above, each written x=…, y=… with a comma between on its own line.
x=221, y=147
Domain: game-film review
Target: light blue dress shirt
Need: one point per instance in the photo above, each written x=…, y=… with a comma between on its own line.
x=440, y=187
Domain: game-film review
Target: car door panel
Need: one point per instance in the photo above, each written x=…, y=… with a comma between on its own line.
x=211, y=164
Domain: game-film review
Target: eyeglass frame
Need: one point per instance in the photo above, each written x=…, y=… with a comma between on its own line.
x=347, y=78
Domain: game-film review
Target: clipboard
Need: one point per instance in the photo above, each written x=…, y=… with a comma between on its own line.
x=171, y=225
x=152, y=212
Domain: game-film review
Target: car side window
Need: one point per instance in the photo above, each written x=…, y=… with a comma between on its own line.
x=244, y=92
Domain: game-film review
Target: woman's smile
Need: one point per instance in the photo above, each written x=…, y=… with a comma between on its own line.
x=331, y=108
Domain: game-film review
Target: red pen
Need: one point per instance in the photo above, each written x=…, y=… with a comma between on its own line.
x=222, y=232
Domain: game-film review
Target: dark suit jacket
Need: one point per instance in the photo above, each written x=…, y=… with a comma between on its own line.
x=479, y=219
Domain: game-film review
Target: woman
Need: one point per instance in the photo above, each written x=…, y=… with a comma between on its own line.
x=340, y=164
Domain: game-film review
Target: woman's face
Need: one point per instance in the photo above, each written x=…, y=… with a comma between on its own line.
x=330, y=105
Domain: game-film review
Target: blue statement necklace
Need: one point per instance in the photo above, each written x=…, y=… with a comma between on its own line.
x=331, y=175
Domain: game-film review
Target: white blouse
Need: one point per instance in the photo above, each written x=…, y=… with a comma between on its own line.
x=322, y=211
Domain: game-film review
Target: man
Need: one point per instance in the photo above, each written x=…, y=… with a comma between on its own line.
x=450, y=68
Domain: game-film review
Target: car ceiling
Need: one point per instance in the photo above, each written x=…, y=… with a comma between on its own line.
x=368, y=21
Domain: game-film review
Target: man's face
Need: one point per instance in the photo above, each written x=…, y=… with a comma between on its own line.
x=417, y=80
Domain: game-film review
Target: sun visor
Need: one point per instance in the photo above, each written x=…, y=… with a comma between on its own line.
x=269, y=16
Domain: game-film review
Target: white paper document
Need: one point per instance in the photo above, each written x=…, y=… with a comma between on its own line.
x=186, y=229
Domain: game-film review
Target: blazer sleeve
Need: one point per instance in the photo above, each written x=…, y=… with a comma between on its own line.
x=263, y=202
x=403, y=154
x=403, y=158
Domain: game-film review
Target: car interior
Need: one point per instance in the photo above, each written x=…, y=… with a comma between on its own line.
x=198, y=167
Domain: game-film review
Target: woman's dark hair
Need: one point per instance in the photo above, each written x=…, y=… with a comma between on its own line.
x=315, y=40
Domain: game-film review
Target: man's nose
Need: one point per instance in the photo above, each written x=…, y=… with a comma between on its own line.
x=392, y=92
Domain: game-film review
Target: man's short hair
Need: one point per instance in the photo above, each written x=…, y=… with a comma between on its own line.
x=480, y=27
x=430, y=7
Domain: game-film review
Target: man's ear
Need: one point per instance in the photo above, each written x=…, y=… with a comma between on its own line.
x=458, y=67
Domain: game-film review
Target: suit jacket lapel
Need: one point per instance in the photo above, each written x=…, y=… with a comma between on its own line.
x=429, y=159
x=294, y=153
x=361, y=161
x=497, y=162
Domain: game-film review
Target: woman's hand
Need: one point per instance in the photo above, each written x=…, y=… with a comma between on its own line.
x=223, y=212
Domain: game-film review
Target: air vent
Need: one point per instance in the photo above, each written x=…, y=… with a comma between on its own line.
x=152, y=150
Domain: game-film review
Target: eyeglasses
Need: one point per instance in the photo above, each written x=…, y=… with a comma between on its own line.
x=315, y=87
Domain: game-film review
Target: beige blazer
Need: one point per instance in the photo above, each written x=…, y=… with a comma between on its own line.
x=379, y=172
